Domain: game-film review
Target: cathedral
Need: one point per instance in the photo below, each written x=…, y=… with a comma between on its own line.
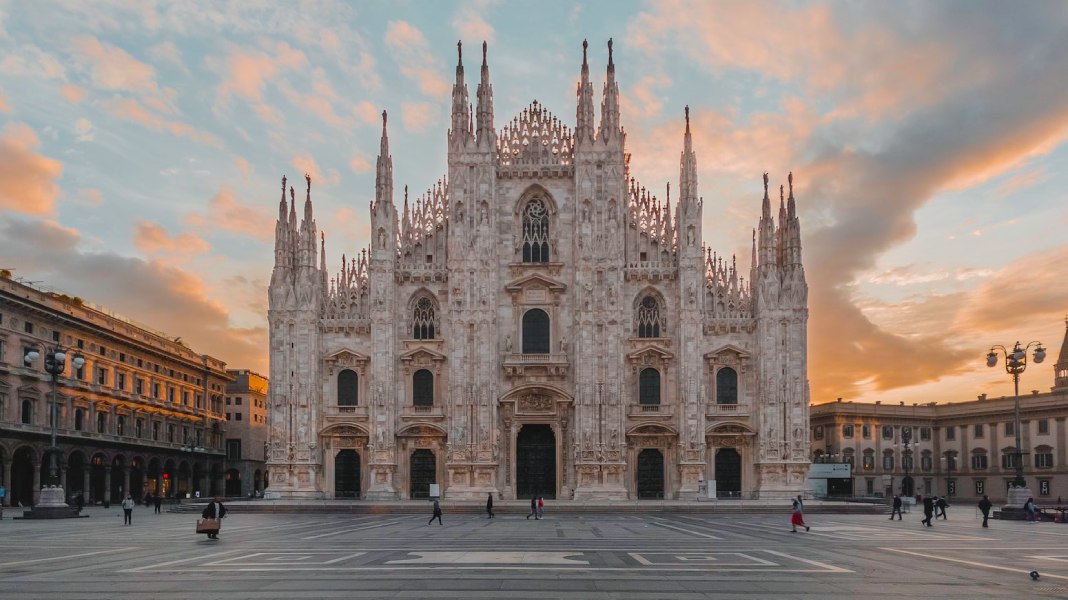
x=538, y=323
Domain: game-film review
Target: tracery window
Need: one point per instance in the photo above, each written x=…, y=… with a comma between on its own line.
x=423, y=319
x=535, y=232
x=649, y=318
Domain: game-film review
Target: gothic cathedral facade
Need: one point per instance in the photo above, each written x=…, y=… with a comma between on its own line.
x=537, y=324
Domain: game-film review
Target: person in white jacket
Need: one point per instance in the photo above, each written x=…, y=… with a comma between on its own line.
x=127, y=510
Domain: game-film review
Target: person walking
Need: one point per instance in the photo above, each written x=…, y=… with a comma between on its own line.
x=897, y=508
x=942, y=505
x=157, y=501
x=984, y=507
x=541, y=507
x=214, y=510
x=798, y=516
x=489, y=506
x=928, y=511
x=436, y=514
x=1029, y=506
x=127, y=510
x=533, y=508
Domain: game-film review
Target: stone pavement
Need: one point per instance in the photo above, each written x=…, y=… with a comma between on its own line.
x=574, y=556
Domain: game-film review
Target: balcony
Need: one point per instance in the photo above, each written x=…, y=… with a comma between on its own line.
x=434, y=412
x=351, y=412
x=650, y=411
x=727, y=410
x=550, y=365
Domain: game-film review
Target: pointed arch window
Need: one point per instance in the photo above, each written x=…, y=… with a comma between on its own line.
x=649, y=387
x=535, y=232
x=535, y=332
x=423, y=319
x=348, y=388
x=649, y=318
x=423, y=388
x=726, y=386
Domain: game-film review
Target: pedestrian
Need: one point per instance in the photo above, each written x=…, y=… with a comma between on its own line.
x=541, y=507
x=214, y=510
x=436, y=515
x=1032, y=512
x=928, y=511
x=489, y=505
x=897, y=508
x=80, y=502
x=798, y=516
x=127, y=510
x=984, y=507
x=942, y=505
x=533, y=508
x=157, y=501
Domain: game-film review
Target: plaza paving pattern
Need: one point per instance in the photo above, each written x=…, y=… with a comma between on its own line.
x=594, y=556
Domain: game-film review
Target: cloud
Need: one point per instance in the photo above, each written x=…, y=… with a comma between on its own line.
x=246, y=71
x=416, y=116
x=152, y=239
x=150, y=291
x=84, y=131
x=243, y=165
x=4, y=106
x=470, y=24
x=1030, y=289
x=226, y=212
x=1022, y=180
x=73, y=93
x=90, y=197
x=28, y=179
x=112, y=68
x=168, y=53
x=412, y=54
x=367, y=112
x=361, y=164
x=132, y=110
x=307, y=164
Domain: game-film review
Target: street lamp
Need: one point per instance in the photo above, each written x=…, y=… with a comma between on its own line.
x=949, y=458
x=906, y=458
x=1016, y=363
x=55, y=362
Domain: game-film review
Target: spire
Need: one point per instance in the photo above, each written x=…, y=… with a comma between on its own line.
x=610, y=103
x=460, y=130
x=384, y=170
x=487, y=138
x=1060, y=369
x=307, y=200
x=322, y=251
x=282, y=202
x=292, y=209
x=584, y=109
x=765, y=209
x=791, y=209
x=687, y=170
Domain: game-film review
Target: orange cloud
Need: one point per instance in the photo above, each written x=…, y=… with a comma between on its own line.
x=73, y=93
x=28, y=179
x=228, y=213
x=152, y=239
x=367, y=113
x=132, y=110
x=113, y=68
x=246, y=72
x=90, y=197
x=416, y=116
x=243, y=165
x=4, y=107
x=361, y=164
x=412, y=53
x=307, y=164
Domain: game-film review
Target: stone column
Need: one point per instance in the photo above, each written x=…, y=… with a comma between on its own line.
x=36, y=482
x=85, y=482
x=63, y=477
x=7, y=482
x=107, y=484
x=126, y=482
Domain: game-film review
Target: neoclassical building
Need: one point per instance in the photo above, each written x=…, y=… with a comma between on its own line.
x=537, y=323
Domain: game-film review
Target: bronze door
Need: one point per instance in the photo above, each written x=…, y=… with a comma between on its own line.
x=535, y=462
x=728, y=473
x=347, y=474
x=650, y=475
x=422, y=472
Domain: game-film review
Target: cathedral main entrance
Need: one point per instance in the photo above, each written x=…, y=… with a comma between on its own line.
x=422, y=472
x=535, y=462
x=728, y=473
x=650, y=475
x=347, y=474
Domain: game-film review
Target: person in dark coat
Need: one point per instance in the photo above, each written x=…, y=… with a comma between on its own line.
x=984, y=507
x=533, y=508
x=942, y=505
x=928, y=511
x=436, y=514
x=489, y=505
x=214, y=510
x=897, y=508
x=157, y=501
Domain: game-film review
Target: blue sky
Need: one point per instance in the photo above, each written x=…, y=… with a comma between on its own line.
x=142, y=144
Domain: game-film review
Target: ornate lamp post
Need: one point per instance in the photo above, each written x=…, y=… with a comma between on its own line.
x=55, y=362
x=906, y=458
x=1015, y=364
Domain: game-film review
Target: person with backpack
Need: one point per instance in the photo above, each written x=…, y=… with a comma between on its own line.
x=984, y=507
x=798, y=516
x=436, y=514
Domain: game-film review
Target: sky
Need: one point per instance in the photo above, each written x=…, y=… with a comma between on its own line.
x=142, y=146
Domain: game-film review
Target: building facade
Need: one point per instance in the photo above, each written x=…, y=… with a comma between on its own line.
x=962, y=450
x=538, y=323
x=246, y=433
x=143, y=414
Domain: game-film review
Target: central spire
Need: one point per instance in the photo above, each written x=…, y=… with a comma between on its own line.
x=384, y=169
x=610, y=104
x=460, y=130
x=584, y=109
x=487, y=138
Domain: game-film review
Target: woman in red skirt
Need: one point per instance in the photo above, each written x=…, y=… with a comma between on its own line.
x=798, y=518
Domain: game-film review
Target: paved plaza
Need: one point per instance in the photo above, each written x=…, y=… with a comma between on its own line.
x=677, y=556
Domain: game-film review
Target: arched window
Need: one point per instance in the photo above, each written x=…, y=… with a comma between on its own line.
x=79, y=419
x=348, y=384
x=535, y=232
x=726, y=386
x=423, y=388
x=27, y=412
x=535, y=332
x=649, y=386
x=649, y=318
x=423, y=319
